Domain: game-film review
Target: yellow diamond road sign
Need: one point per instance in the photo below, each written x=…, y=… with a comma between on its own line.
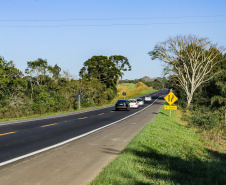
x=170, y=98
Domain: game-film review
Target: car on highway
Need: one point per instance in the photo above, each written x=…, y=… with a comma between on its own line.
x=133, y=103
x=147, y=98
x=122, y=104
x=140, y=101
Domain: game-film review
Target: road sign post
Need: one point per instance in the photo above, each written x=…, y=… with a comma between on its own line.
x=124, y=94
x=78, y=101
x=170, y=98
x=79, y=98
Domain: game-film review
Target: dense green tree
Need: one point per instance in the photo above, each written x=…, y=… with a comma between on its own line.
x=8, y=69
x=101, y=68
x=122, y=64
x=12, y=89
x=37, y=69
x=216, y=88
x=9, y=77
x=55, y=71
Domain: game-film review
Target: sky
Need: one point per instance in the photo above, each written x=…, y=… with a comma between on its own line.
x=69, y=32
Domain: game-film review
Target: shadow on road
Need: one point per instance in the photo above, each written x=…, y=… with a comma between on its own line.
x=111, y=151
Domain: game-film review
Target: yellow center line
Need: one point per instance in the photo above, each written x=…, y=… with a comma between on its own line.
x=83, y=118
x=7, y=133
x=49, y=125
x=101, y=114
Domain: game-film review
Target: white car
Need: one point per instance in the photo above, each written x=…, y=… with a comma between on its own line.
x=147, y=98
x=133, y=103
x=140, y=102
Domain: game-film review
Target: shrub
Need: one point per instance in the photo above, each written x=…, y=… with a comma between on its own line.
x=87, y=102
x=109, y=94
x=207, y=120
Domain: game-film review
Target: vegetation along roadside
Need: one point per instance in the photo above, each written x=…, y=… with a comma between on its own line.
x=138, y=89
x=167, y=152
x=42, y=89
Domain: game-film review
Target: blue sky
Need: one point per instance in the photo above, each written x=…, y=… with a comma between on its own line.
x=69, y=32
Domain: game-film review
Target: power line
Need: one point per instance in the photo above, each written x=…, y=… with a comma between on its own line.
x=108, y=25
x=106, y=19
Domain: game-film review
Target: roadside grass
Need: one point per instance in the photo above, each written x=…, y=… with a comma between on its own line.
x=144, y=91
x=130, y=85
x=138, y=90
x=166, y=152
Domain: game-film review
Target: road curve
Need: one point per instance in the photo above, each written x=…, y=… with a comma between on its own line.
x=26, y=138
x=78, y=162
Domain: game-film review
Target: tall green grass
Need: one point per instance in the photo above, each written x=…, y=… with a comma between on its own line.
x=130, y=85
x=166, y=152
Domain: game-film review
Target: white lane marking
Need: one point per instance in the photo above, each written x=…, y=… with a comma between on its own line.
x=69, y=140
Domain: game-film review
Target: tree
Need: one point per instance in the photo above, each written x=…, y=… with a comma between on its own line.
x=37, y=69
x=8, y=74
x=55, y=71
x=190, y=58
x=219, y=98
x=12, y=89
x=101, y=68
x=121, y=63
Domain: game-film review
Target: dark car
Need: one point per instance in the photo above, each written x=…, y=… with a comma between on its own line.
x=122, y=104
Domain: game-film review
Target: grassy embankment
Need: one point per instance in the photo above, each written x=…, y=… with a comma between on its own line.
x=167, y=152
x=131, y=90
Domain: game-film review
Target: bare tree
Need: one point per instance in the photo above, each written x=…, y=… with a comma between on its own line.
x=67, y=75
x=190, y=58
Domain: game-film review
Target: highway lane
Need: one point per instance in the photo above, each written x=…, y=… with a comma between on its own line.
x=26, y=137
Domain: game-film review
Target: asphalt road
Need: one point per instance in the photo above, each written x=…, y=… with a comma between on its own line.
x=76, y=162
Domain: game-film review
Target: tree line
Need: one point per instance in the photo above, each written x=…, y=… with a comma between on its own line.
x=43, y=89
x=155, y=83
